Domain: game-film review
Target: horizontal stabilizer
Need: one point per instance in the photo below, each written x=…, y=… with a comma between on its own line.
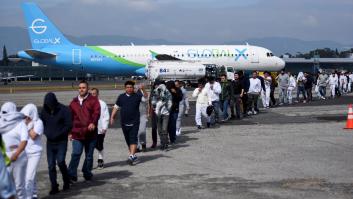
x=37, y=54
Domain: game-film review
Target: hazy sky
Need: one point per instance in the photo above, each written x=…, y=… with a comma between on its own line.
x=195, y=21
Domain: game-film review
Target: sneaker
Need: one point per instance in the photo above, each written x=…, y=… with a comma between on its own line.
x=54, y=190
x=73, y=179
x=178, y=132
x=88, y=178
x=255, y=112
x=100, y=164
x=66, y=186
x=130, y=160
x=199, y=127
x=249, y=113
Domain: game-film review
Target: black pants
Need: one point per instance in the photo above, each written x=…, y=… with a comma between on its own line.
x=56, y=153
x=237, y=101
x=309, y=94
x=245, y=103
x=100, y=141
x=154, y=128
x=272, y=96
x=130, y=133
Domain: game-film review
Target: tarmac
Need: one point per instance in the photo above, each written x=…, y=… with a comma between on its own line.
x=298, y=151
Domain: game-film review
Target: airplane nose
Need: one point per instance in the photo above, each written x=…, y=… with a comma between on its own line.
x=281, y=63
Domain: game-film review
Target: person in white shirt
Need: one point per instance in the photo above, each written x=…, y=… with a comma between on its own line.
x=254, y=92
x=15, y=143
x=214, y=89
x=103, y=123
x=265, y=95
x=34, y=147
x=202, y=102
x=291, y=87
x=333, y=82
x=343, y=83
x=143, y=108
x=350, y=75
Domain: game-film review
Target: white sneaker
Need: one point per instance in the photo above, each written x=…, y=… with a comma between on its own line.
x=178, y=132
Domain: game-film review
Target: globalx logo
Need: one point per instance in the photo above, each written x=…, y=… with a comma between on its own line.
x=240, y=53
x=38, y=27
x=47, y=41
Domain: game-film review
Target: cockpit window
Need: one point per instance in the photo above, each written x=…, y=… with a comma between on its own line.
x=269, y=54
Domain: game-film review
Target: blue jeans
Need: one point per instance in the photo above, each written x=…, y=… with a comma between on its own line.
x=322, y=90
x=56, y=153
x=301, y=90
x=172, y=126
x=224, y=106
x=77, y=149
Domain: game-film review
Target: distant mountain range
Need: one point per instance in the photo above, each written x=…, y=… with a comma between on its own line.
x=16, y=39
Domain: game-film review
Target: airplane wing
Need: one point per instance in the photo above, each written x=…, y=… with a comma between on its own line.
x=40, y=54
x=163, y=56
x=14, y=77
x=166, y=57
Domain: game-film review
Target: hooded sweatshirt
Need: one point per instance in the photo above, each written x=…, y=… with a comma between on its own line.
x=162, y=100
x=56, y=119
x=33, y=146
x=17, y=132
x=9, y=119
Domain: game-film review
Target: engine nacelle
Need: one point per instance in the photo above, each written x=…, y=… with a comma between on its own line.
x=175, y=70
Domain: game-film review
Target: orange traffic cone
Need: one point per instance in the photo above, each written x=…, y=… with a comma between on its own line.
x=349, y=124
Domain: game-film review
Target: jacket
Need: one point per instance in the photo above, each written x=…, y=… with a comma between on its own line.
x=225, y=93
x=84, y=115
x=202, y=96
x=56, y=119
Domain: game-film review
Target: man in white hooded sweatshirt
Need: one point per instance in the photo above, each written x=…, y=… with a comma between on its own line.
x=7, y=185
x=103, y=123
x=333, y=82
x=34, y=147
x=292, y=85
x=15, y=140
x=203, y=100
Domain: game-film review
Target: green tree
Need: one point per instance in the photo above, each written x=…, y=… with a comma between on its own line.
x=5, y=58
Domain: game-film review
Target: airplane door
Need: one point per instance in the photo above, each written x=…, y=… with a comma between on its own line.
x=76, y=56
x=254, y=57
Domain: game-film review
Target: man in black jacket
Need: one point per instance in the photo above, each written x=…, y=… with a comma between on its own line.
x=237, y=92
x=57, y=124
x=244, y=79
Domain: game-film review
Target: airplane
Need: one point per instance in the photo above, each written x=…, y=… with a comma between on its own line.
x=51, y=47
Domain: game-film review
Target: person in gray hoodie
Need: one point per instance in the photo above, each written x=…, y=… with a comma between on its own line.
x=162, y=104
x=322, y=81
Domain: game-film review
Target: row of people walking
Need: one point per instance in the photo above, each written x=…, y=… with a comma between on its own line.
x=86, y=120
